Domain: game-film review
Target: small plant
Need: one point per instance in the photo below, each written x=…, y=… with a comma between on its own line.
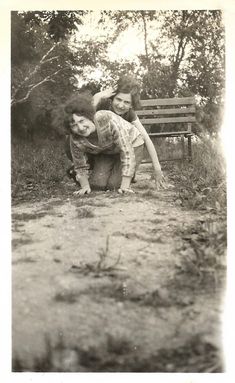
x=102, y=264
x=85, y=212
x=203, y=252
x=67, y=297
x=104, y=254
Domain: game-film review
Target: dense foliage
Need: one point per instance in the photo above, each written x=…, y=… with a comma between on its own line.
x=51, y=58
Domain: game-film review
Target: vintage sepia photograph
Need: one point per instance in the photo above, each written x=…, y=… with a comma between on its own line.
x=118, y=190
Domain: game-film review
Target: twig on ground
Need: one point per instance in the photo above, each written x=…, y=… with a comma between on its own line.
x=104, y=253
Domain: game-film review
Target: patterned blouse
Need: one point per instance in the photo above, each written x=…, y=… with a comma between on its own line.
x=115, y=135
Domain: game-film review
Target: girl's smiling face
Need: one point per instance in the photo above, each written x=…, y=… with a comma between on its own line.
x=82, y=126
x=121, y=103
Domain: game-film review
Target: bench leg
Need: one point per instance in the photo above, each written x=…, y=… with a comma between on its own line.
x=189, y=148
x=183, y=147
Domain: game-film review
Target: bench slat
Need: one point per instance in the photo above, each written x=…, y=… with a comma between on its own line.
x=170, y=110
x=147, y=121
x=163, y=134
x=150, y=112
x=168, y=101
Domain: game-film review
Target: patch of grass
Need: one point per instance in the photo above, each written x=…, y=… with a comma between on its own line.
x=141, y=237
x=21, y=241
x=52, y=204
x=56, y=247
x=37, y=168
x=121, y=355
x=28, y=216
x=66, y=297
x=118, y=346
x=169, y=148
x=56, y=260
x=114, y=195
x=201, y=184
x=93, y=203
x=24, y=260
x=150, y=194
x=158, y=298
x=143, y=186
x=203, y=251
x=155, y=231
x=17, y=226
x=157, y=221
x=85, y=212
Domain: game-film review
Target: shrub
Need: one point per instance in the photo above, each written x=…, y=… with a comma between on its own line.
x=38, y=164
x=202, y=183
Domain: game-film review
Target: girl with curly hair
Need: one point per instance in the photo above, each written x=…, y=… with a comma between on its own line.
x=106, y=150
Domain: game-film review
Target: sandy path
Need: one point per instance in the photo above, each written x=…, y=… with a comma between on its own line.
x=58, y=291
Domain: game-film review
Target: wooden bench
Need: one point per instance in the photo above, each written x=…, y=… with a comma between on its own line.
x=169, y=117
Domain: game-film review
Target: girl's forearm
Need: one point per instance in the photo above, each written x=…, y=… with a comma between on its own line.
x=96, y=98
x=83, y=180
x=107, y=93
x=152, y=153
x=125, y=183
x=149, y=145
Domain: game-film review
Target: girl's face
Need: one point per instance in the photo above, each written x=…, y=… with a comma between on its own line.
x=82, y=126
x=121, y=103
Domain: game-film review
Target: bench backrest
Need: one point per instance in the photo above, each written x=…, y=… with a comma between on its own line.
x=180, y=111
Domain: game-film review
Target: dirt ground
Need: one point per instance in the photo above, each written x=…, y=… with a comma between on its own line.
x=96, y=285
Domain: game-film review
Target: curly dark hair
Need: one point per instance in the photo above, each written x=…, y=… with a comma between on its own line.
x=81, y=104
x=128, y=84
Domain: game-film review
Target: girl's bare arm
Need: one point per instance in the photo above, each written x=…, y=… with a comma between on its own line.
x=158, y=175
x=107, y=93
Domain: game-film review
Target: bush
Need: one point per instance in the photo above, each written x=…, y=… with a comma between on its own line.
x=37, y=165
x=202, y=182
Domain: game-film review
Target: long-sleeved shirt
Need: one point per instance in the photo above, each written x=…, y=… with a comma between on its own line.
x=115, y=135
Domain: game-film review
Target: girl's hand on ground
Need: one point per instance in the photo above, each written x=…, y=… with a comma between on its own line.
x=82, y=191
x=160, y=180
x=161, y=184
x=125, y=191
